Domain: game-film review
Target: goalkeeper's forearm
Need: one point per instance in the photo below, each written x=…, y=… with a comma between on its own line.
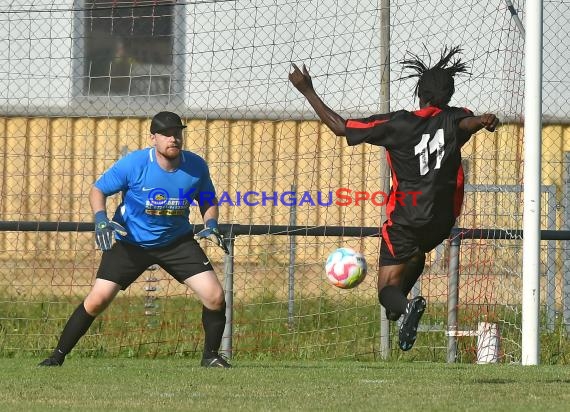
x=97, y=200
x=210, y=212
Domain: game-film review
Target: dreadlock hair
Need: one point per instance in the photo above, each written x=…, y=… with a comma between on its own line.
x=436, y=84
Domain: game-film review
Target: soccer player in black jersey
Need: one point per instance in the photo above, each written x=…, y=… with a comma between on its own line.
x=423, y=150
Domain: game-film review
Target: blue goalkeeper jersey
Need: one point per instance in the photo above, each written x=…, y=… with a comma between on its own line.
x=156, y=203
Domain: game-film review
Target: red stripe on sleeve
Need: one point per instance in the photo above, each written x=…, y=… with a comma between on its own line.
x=355, y=124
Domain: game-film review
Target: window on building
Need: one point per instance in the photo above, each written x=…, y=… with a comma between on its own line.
x=129, y=47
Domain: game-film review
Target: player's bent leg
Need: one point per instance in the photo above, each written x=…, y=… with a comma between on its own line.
x=412, y=272
x=101, y=294
x=390, y=294
x=393, y=316
x=209, y=290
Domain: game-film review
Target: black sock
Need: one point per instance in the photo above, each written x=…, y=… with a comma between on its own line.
x=412, y=272
x=214, y=322
x=78, y=323
x=393, y=299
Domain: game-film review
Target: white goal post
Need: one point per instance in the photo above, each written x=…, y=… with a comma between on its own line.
x=532, y=182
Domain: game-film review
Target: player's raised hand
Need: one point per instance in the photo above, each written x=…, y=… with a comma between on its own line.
x=301, y=79
x=489, y=121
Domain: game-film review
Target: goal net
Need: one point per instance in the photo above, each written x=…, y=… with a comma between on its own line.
x=79, y=82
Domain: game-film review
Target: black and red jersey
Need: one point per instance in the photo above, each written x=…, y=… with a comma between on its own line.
x=424, y=155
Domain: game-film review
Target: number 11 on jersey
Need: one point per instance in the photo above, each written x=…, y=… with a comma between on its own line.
x=436, y=144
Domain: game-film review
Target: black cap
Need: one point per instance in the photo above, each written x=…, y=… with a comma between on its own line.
x=164, y=121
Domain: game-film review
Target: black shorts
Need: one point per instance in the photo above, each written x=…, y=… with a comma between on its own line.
x=400, y=242
x=125, y=262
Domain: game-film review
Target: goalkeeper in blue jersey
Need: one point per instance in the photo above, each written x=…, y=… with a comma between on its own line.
x=151, y=226
x=423, y=150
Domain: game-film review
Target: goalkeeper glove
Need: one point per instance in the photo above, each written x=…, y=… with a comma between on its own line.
x=104, y=229
x=212, y=234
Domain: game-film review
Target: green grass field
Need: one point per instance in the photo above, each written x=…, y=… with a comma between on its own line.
x=179, y=384
x=323, y=329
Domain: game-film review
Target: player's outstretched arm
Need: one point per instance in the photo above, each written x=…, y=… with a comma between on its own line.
x=303, y=82
x=473, y=124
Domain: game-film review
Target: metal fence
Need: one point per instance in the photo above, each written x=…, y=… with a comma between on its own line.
x=79, y=81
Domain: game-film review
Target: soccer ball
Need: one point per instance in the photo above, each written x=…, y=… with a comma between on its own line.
x=345, y=268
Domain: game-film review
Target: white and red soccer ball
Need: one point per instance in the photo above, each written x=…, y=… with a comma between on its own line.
x=345, y=268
